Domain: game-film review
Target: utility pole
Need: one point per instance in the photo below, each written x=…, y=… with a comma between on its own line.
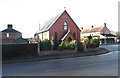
x=38, y=44
x=38, y=41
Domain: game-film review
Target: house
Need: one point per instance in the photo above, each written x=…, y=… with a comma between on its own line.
x=60, y=28
x=11, y=36
x=101, y=32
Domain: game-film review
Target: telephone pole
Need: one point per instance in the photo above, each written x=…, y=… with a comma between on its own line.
x=38, y=41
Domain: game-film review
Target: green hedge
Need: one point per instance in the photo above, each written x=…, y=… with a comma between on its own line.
x=45, y=45
x=67, y=45
x=18, y=50
x=71, y=45
x=93, y=43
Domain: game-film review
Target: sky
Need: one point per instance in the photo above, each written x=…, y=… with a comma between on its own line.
x=27, y=15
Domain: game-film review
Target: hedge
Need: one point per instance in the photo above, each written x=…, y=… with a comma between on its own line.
x=45, y=45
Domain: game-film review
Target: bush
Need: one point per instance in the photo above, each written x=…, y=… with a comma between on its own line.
x=45, y=45
x=67, y=45
x=80, y=47
x=93, y=43
x=97, y=42
x=61, y=46
x=70, y=45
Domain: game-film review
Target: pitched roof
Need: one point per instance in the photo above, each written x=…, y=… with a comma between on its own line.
x=21, y=41
x=94, y=29
x=10, y=30
x=49, y=23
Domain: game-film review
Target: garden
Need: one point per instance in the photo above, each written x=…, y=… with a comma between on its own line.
x=48, y=47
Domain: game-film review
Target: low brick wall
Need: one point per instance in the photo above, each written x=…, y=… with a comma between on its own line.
x=91, y=49
x=56, y=52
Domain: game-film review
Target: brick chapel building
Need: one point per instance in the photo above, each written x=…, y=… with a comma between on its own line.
x=62, y=27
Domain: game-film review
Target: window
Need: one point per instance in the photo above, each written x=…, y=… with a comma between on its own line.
x=7, y=34
x=65, y=25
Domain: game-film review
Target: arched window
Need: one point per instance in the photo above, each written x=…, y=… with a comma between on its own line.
x=65, y=25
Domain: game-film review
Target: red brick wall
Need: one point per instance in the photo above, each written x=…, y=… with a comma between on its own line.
x=58, y=26
x=10, y=39
x=12, y=35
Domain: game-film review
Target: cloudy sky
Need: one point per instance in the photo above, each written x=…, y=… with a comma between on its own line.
x=25, y=15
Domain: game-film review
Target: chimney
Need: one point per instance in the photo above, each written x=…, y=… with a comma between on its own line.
x=92, y=26
x=9, y=25
x=105, y=24
x=82, y=28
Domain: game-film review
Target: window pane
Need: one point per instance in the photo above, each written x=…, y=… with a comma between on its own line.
x=7, y=34
x=65, y=25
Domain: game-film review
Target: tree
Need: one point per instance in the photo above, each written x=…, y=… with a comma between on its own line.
x=117, y=34
x=55, y=41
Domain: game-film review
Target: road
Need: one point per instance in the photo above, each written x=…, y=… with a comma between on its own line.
x=98, y=65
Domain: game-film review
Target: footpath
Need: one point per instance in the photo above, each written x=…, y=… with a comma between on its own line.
x=51, y=57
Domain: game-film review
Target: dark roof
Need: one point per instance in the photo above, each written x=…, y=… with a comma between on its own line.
x=108, y=35
x=21, y=41
x=10, y=30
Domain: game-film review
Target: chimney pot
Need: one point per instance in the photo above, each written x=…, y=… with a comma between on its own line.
x=82, y=28
x=92, y=26
x=9, y=25
x=105, y=24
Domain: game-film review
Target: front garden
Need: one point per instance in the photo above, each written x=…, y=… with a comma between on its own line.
x=48, y=47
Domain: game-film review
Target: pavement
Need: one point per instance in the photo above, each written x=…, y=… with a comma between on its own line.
x=53, y=57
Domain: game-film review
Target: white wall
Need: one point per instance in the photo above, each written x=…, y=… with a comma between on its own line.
x=44, y=35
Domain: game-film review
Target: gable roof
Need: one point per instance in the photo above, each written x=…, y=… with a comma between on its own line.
x=50, y=22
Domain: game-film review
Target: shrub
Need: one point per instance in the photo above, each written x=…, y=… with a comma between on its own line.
x=72, y=44
x=45, y=45
x=67, y=45
x=93, y=43
x=97, y=42
x=80, y=47
x=61, y=46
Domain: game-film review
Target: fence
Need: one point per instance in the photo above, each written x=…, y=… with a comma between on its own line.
x=18, y=50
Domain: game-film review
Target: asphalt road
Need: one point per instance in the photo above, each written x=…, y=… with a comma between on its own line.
x=98, y=65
